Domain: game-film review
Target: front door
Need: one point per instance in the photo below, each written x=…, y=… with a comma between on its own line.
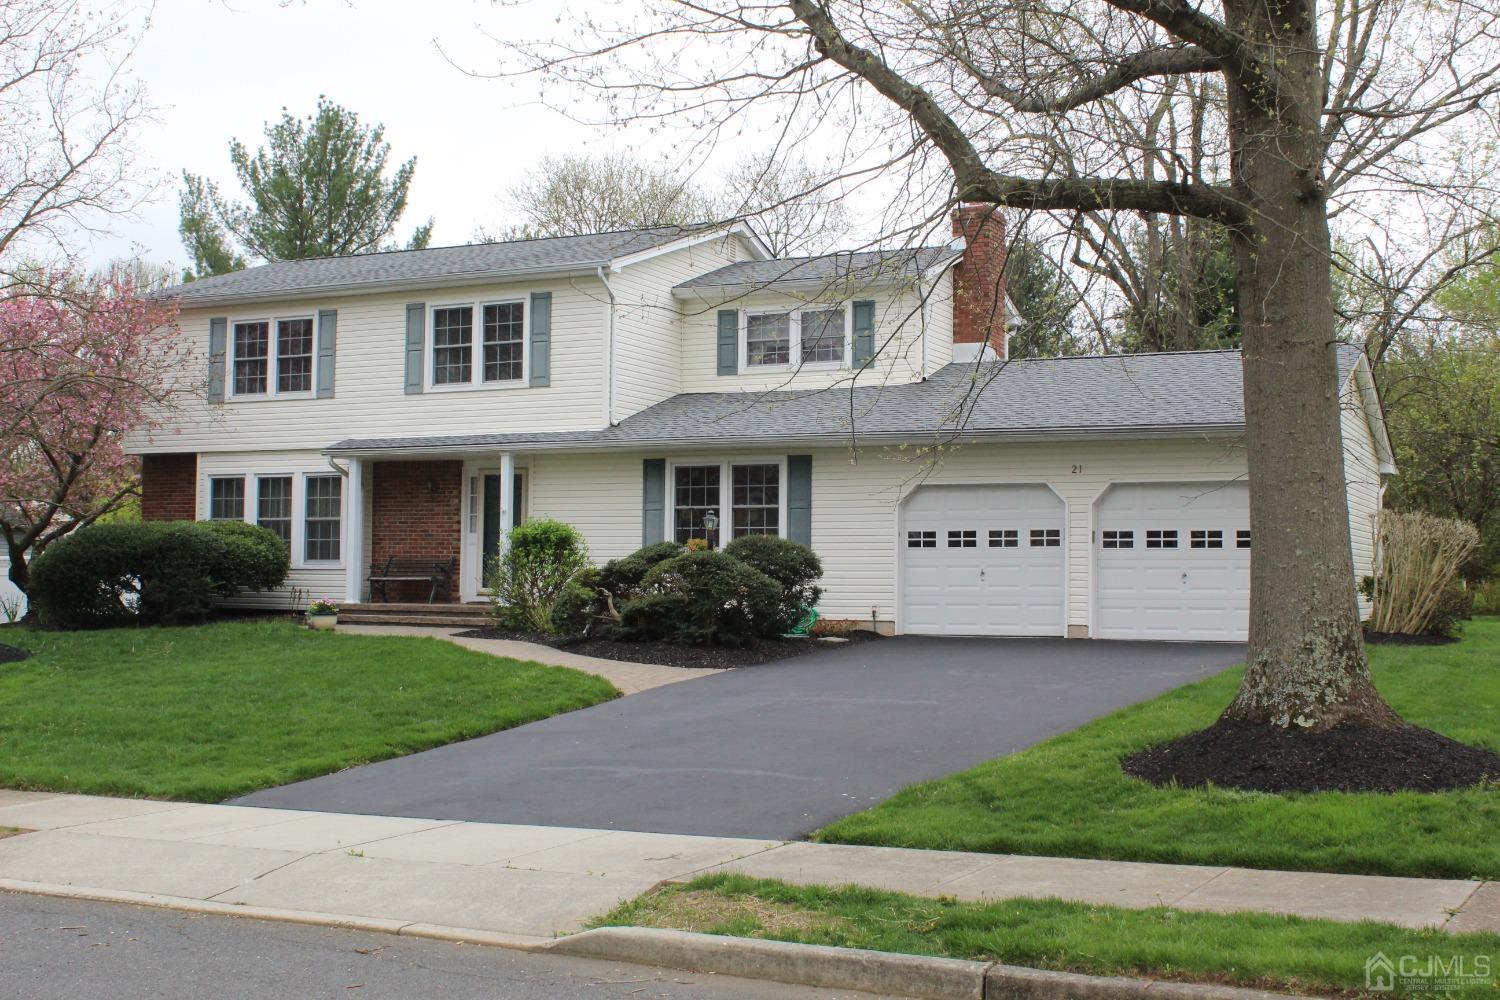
x=490, y=534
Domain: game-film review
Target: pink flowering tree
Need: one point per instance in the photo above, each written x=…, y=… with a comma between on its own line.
x=83, y=362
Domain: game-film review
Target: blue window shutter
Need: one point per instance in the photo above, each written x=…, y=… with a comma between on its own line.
x=541, y=338
x=218, y=330
x=416, y=337
x=729, y=341
x=653, y=500
x=328, y=320
x=799, y=498
x=864, y=332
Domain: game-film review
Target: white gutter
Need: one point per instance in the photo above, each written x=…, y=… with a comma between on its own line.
x=609, y=352
x=188, y=301
x=821, y=441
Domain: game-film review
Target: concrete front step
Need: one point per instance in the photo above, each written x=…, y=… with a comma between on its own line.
x=411, y=613
x=393, y=619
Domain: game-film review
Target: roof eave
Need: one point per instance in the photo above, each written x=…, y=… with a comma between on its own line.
x=585, y=270
x=857, y=438
x=843, y=284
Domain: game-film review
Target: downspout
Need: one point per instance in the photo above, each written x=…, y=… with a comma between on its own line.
x=922, y=305
x=609, y=352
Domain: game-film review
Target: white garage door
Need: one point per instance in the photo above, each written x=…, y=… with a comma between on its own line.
x=983, y=560
x=1173, y=562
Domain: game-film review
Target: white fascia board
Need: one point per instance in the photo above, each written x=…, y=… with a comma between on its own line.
x=380, y=287
x=1363, y=380
x=744, y=232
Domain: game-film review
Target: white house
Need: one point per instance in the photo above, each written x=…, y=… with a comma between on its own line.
x=418, y=403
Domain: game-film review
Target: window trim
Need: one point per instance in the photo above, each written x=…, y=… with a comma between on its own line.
x=273, y=359
x=476, y=380
x=726, y=492
x=343, y=520
x=794, y=333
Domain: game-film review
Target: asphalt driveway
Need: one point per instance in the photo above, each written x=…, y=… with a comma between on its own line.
x=773, y=751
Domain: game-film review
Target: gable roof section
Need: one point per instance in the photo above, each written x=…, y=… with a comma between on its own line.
x=835, y=269
x=437, y=265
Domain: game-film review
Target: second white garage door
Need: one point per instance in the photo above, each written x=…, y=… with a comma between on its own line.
x=983, y=560
x=1173, y=562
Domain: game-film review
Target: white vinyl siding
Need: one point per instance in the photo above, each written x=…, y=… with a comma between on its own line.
x=370, y=365
x=899, y=323
x=1362, y=474
x=855, y=508
x=649, y=322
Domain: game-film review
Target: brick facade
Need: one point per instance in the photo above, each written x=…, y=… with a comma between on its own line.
x=169, y=487
x=979, y=279
x=416, y=511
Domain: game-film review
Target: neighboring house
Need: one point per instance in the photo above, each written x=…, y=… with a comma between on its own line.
x=419, y=403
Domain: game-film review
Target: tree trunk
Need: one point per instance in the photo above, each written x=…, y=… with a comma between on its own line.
x=1306, y=666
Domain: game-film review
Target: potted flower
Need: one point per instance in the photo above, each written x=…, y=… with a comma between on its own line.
x=322, y=614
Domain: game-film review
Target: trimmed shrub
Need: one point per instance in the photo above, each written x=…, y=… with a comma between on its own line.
x=1418, y=561
x=577, y=607
x=541, y=559
x=621, y=578
x=703, y=598
x=255, y=558
x=791, y=564
x=152, y=573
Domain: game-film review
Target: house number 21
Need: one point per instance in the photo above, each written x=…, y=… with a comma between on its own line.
x=1077, y=469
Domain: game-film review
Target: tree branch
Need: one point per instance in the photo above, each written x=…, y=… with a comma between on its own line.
x=974, y=181
x=1170, y=61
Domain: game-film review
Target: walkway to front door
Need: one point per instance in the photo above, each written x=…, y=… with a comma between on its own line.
x=773, y=751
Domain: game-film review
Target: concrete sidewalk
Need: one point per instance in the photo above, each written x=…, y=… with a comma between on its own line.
x=463, y=880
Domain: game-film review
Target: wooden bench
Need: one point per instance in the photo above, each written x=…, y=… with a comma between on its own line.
x=397, y=569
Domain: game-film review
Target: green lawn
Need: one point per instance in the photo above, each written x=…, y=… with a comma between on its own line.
x=215, y=711
x=1068, y=796
x=1244, y=949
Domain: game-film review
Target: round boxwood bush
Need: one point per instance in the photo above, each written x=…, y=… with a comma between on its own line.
x=152, y=573
x=541, y=559
x=793, y=565
x=705, y=597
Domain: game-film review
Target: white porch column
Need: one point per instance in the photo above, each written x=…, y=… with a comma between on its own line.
x=507, y=497
x=354, y=531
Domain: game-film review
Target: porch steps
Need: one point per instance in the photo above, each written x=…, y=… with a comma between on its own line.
x=380, y=613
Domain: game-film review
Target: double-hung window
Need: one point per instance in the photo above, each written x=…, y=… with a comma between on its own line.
x=810, y=337
x=273, y=505
x=322, y=510
x=272, y=357
x=751, y=505
x=226, y=498
x=494, y=356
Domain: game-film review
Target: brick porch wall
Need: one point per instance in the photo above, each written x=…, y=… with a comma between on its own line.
x=169, y=487
x=416, y=511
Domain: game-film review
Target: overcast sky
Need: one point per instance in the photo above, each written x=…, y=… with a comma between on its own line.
x=219, y=69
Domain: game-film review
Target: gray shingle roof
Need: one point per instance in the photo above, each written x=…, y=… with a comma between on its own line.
x=483, y=260
x=836, y=268
x=1191, y=391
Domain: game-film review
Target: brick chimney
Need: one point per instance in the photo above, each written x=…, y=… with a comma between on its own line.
x=979, y=279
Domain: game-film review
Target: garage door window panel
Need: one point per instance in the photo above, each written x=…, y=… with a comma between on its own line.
x=1004, y=538
x=1161, y=538
x=963, y=539
x=1049, y=538
x=1206, y=538
x=1119, y=539
x=921, y=539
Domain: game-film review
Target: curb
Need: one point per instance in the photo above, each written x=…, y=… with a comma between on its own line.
x=872, y=971
x=748, y=958
x=374, y=925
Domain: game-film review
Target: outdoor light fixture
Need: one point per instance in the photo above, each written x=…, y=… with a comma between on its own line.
x=710, y=525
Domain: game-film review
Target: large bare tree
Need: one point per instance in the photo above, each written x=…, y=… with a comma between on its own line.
x=68, y=114
x=1037, y=106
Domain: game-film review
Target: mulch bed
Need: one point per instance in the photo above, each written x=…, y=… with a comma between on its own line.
x=10, y=654
x=1406, y=639
x=668, y=654
x=1263, y=758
